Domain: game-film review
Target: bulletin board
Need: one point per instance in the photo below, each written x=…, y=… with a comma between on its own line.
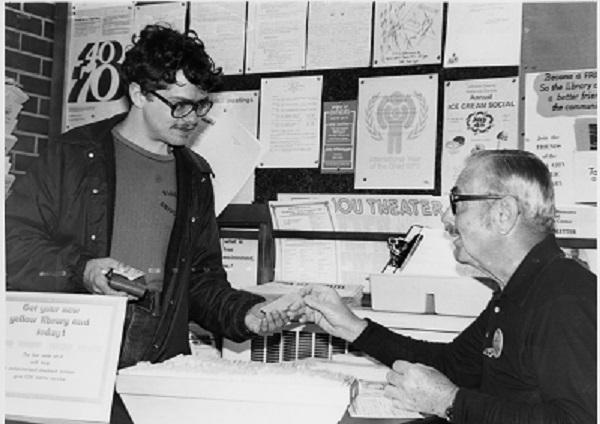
x=553, y=36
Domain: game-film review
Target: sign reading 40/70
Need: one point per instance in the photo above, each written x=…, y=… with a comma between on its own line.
x=95, y=75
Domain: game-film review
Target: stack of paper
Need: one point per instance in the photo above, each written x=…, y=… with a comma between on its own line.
x=14, y=98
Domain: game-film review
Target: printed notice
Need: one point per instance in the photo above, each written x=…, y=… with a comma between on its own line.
x=290, y=118
x=222, y=28
x=339, y=134
x=339, y=34
x=556, y=104
x=483, y=34
x=276, y=36
x=240, y=260
x=61, y=354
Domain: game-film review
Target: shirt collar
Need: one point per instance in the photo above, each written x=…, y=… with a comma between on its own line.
x=532, y=265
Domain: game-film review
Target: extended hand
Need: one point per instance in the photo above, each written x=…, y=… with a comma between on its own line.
x=327, y=309
x=94, y=275
x=265, y=323
x=417, y=387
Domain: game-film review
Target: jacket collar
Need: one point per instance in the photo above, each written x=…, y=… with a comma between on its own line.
x=96, y=132
x=197, y=162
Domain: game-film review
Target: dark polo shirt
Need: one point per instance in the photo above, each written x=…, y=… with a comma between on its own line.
x=530, y=357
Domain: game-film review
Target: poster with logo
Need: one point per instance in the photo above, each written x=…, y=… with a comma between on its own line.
x=97, y=40
x=557, y=103
x=339, y=135
x=407, y=33
x=397, y=119
x=479, y=114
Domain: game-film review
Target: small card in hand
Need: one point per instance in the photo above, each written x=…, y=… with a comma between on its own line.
x=131, y=281
x=284, y=303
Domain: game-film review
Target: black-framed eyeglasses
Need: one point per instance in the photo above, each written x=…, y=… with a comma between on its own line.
x=458, y=197
x=183, y=109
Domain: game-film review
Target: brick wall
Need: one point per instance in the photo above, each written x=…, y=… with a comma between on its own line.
x=29, y=46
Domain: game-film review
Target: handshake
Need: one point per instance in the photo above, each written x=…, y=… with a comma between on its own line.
x=314, y=303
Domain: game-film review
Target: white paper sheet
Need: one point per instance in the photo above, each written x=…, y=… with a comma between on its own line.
x=585, y=177
x=170, y=14
x=483, y=34
x=290, y=121
x=576, y=221
x=339, y=34
x=276, y=36
x=554, y=102
x=397, y=120
x=232, y=152
x=221, y=25
x=407, y=33
x=98, y=39
x=240, y=260
x=242, y=106
x=479, y=114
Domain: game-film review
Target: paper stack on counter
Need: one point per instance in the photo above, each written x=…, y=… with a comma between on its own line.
x=350, y=293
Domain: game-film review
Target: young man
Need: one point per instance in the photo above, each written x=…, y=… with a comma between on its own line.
x=127, y=192
x=530, y=357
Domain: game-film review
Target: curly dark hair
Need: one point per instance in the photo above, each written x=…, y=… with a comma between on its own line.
x=159, y=52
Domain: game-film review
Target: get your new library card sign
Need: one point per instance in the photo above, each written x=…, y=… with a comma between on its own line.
x=61, y=355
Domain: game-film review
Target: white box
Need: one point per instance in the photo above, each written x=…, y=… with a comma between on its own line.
x=464, y=296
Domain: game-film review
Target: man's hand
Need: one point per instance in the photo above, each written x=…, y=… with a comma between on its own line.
x=327, y=309
x=265, y=323
x=417, y=387
x=94, y=275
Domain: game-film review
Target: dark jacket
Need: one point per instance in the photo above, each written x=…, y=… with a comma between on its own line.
x=60, y=214
x=530, y=357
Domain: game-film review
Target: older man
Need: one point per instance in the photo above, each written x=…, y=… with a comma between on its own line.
x=530, y=357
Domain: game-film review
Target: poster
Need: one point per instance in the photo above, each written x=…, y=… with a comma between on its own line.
x=397, y=120
x=222, y=27
x=479, y=114
x=97, y=40
x=407, y=33
x=339, y=137
x=339, y=34
x=483, y=34
x=290, y=121
x=276, y=36
x=555, y=103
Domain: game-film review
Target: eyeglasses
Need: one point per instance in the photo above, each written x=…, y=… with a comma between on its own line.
x=183, y=109
x=456, y=197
